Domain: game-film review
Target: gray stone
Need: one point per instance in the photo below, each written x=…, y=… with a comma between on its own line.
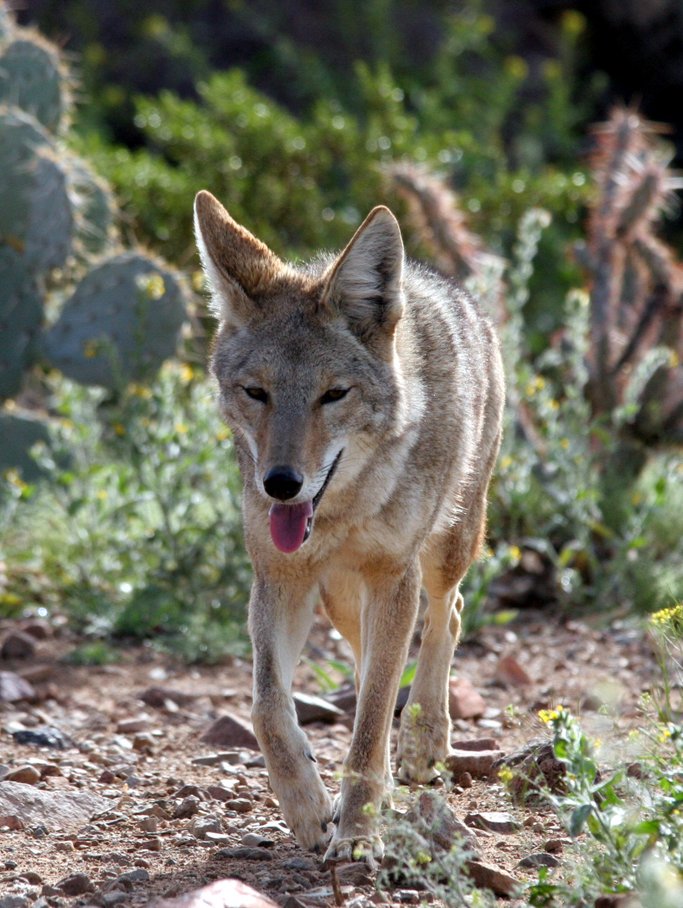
x=60, y=811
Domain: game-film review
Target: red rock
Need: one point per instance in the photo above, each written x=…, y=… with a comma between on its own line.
x=476, y=744
x=510, y=672
x=221, y=894
x=478, y=763
x=228, y=731
x=464, y=701
x=27, y=775
x=13, y=687
x=488, y=876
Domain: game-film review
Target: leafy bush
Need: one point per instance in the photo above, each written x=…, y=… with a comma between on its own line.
x=626, y=823
x=506, y=138
x=136, y=529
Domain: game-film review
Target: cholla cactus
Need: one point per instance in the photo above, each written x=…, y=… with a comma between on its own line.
x=637, y=284
x=438, y=218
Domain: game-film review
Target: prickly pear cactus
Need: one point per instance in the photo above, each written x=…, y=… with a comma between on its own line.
x=121, y=323
x=32, y=77
x=21, y=313
x=94, y=206
x=6, y=23
x=19, y=434
x=36, y=216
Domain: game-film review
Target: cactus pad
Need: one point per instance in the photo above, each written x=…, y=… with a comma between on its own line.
x=94, y=206
x=19, y=434
x=6, y=23
x=35, y=210
x=21, y=312
x=121, y=323
x=33, y=78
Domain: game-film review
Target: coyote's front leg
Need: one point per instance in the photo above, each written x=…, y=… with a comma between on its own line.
x=279, y=623
x=387, y=621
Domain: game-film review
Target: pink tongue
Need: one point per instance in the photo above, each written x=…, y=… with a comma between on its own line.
x=288, y=524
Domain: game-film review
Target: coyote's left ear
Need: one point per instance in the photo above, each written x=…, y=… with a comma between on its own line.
x=365, y=283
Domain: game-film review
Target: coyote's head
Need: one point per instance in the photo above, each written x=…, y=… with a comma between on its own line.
x=305, y=360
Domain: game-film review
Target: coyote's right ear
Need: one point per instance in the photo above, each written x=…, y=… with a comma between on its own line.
x=238, y=267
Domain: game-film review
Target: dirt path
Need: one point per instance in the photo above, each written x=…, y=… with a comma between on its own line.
x=171, y=813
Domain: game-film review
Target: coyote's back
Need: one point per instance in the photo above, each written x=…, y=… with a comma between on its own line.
x=365, y=397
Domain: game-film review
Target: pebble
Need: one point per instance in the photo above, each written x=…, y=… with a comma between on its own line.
x=243, y=853
x=477, y=763
x=493, y=821
x=314, y=709
x=230, y=731
x=132, y=726
x=488, y=876
x=187, y=791
x=255, y=839
x=188, y=807
x=476, y=744
x=219, y=793
x=201, y=825
x=556, y=846
x=240, y=805
x=76, y=884
x=511, y=672
x=539, y=859
x=27, y=775
x=13, y=687
x=216, y=759
x=464, y=701
x=43, y=736
x=18, y=645
x=144, y=742
x=131, y=877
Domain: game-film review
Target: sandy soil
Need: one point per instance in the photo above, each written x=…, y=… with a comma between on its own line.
x=175, y=809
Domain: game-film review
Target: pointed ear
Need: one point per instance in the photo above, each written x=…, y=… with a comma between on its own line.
x=236, y=264
x=365, y=284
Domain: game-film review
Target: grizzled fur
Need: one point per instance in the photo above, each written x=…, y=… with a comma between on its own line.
x=378, y=386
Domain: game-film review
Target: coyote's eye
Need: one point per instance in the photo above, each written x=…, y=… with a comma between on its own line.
x=334, y=394
x=256, y=394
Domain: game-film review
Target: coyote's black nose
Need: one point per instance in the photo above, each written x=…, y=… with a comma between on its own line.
x=283, y=483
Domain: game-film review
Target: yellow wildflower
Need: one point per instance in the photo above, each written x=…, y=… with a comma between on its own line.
x=548, y=716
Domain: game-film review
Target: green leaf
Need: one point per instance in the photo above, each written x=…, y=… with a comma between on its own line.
x=408, y=674
x=578, y=819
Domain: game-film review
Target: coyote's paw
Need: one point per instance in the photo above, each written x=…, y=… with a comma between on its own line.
x=308, y=813
x=422, y=746
x=367, y=849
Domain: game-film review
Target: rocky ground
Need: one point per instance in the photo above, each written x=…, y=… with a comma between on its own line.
x=129, y=784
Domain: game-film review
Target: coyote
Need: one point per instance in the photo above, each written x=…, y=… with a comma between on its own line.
x=364, y=393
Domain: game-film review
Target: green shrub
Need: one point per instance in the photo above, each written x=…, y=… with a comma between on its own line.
x=140, y=533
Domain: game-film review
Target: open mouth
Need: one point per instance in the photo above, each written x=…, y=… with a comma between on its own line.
x=291, y=524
